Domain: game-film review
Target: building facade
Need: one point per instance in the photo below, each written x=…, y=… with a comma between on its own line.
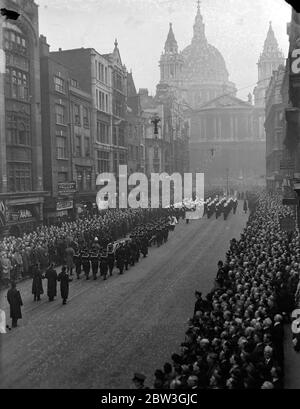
x=67, y=139
x=227, y=140
x=278, y=161
x=21, y=168
x=134, y=129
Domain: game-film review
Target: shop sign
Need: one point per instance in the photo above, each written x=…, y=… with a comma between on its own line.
x=66, y=187
x=64, y=205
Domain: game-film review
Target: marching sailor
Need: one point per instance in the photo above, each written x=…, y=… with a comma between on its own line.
x=110, y=258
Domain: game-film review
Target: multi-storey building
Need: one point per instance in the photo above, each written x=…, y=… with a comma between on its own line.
x=168, y=149
x=119, y=108
x=104, y=77
x=21, y=172
x=227, y=139
x=278, y=161
x=67, y=140
x=135, y=129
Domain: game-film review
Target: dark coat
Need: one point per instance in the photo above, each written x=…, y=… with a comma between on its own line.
x=15, y=302
x=64, y=280
x=37, y=282
x=51, y=276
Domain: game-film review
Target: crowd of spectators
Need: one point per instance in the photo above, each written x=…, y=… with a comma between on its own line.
x=235, y=338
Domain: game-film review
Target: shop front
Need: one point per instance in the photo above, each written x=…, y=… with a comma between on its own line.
x=18, y=216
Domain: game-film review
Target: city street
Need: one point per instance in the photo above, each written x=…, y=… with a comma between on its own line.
x=108, y=330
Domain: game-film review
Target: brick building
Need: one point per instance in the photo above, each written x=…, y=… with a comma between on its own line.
x=67, y=140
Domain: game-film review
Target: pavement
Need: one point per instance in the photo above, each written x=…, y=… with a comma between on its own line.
x=110, y=329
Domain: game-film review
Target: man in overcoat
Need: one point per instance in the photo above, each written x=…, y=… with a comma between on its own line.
x=15, y=302
x=51, y=276
x=64, y=280
x=37, y=283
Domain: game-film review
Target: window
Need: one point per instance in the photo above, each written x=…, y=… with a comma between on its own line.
x=105, y=76
x=19, y=177
x=74, y=83
x=118, y=83
x=87, y=148
x=17, y=84
x=79, y=173
x=115, y=137
x=78, y=146
x=122, y=160
x=121, y=136
x=17, y=132
x=116, y=162
x=60, y=114
x=102, y=132
x=62, y=177
x=103, y=161
x=59, y=84
x=88, y=179
x=118, y=108
x=86, y=122
x=61, y=147
x=77, y=114
x=15, y=41
x=102, y=101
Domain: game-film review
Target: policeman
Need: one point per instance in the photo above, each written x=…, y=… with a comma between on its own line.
x=104, y=265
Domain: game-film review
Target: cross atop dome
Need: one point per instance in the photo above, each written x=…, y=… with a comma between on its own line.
x=199, y=26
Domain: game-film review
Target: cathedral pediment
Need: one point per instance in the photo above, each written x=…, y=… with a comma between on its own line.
x=226, y=101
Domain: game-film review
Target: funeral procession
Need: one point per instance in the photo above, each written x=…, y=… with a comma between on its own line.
x=149, y=196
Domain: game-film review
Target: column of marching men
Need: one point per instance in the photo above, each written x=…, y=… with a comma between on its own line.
x=219, y=206
x=92, y=247
x=97, y=260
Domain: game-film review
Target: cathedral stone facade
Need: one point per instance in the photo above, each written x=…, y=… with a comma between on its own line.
x=227, y=137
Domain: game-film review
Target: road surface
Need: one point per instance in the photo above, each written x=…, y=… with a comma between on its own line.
x=110, y=329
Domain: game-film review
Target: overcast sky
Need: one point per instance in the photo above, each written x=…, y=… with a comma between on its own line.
x=236, y=27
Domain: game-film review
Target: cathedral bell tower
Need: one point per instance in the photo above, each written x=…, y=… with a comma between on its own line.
x=171, y=62
x=269, y=61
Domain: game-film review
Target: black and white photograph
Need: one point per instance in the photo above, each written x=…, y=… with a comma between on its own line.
x=149, y=197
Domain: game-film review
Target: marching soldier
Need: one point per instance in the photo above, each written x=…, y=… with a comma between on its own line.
x=126, y=255
x=86, y=264
x=95, y=264
x=144, y=246
x=78, y=262
x=110, y=258
x=104, y=265
x=120, y=258
x=235, y=205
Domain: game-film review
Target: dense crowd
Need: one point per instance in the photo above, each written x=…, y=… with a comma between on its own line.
x=48, y=244
x=235, y=338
